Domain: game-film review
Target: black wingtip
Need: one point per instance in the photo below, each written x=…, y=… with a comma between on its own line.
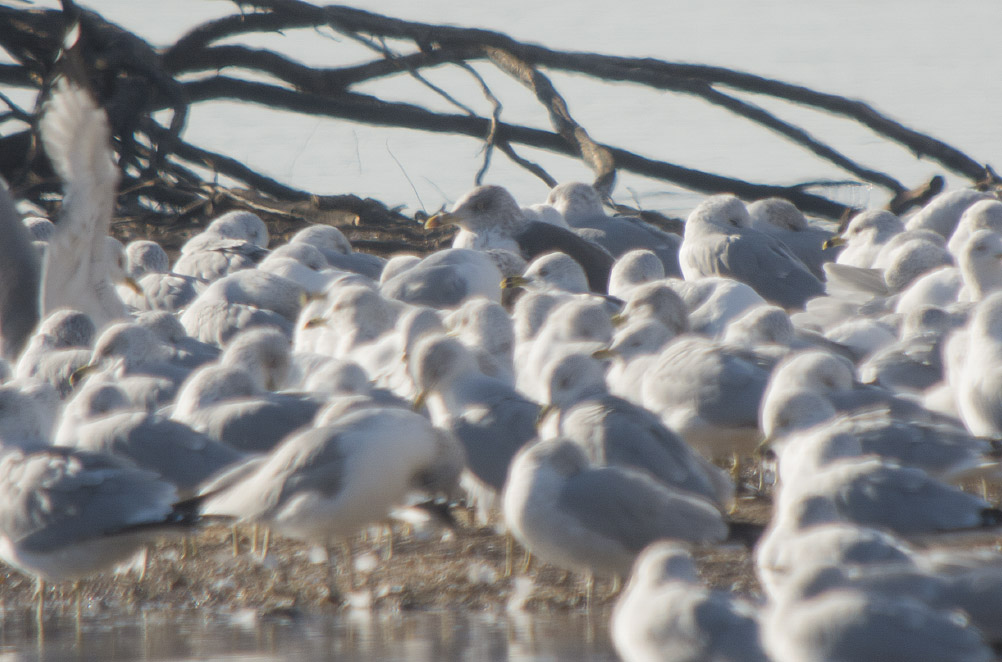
x=746, y=533
x=991, y=518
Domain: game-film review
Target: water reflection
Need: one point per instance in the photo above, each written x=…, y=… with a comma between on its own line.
x=413, y=637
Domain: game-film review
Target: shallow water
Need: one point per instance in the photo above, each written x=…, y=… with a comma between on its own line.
x=349, y=637
x=920, y=62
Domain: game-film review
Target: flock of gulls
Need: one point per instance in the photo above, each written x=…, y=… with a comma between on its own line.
x=588, y=384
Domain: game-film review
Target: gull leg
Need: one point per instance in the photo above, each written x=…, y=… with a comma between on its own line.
x=526, y=561
x=265, y=542
x=236, y=541
x=40, y=608
x=349, y=563
x=617, y=584
x=389, y=543
x=509, y=550
x=146, y=563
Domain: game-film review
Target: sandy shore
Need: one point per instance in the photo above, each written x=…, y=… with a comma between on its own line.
x=437, y=568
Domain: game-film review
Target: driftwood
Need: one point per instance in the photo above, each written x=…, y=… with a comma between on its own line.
x=162, y=192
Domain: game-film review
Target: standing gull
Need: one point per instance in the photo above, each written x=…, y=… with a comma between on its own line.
x=326, y=483
x=592, y=519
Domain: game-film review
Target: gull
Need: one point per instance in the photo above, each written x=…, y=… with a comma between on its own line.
x=76, y=271
x=19, y=280
x=719, y=241
x=489, y=217
x=487, y=330
x=593, y=519
x=971, y=588
x=780, y=218
x=977, y=386
x=151, y=285
x=445, y=279
x=633, y=268
x=326, y=483
x=982, y=215
x=487, y=415
x=666, y=614
x=69, y=514
x=616, y=432
x=708, y=394
x=246, y=298
x=581, y=207
x=714, y=301
x=783, y=552
x=906, y=501
x=172, y=450
x=857, y=625
x=943, y=212
x=226, y=403
x=338, y=252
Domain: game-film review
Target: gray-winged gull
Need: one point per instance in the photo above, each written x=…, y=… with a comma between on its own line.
x=169, y=448
x=860, y=626
x=490, y=218
x=445, y=279
x=19, y=280
x=489, y=418
x=67, y=514
x=719, y=241
x=708, y=394
x=326, y=483
x=613, y=431
x=982, y=215
x=581, y=207
x=865, y=236
x=667, y=614
x=633, y=268
x=781, y=218
x=592, y=519
x=226, y=404
x=943, y=212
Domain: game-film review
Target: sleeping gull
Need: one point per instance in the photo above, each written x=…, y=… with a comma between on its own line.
x=667, y=614
x=719, y=241
x=581, y=207
x=978, y=384
x=490, y=218
x=226, y=403
x=857, y=625
x=445, y=279
x=634, y=268
x=982, y=215
x=780, y=218
x=943, y=212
